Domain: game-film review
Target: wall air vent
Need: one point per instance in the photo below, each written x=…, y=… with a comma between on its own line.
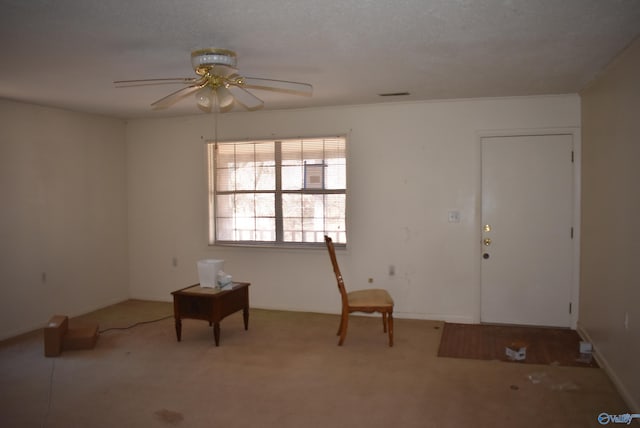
x=394, y=94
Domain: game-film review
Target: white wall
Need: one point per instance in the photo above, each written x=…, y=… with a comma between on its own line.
x=63, y=215
x=409, y=164
x=610, y=285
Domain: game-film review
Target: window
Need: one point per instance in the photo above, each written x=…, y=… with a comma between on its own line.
x=277, y=192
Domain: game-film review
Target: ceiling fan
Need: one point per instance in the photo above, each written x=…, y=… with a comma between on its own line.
x=218, y=84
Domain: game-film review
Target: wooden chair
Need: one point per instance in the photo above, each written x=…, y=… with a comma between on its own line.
x=369, y=301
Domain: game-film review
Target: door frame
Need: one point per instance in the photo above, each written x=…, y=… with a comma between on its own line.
x=577, y=191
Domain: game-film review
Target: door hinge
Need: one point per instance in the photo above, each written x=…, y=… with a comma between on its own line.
x=571, y=156
x=569, y=307
x=572, y=233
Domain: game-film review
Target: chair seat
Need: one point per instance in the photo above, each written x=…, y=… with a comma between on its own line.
x=370, y=298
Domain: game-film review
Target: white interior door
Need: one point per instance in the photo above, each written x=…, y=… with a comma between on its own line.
x=527, y=216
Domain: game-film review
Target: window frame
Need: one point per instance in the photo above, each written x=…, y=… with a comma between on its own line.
x=278, y=192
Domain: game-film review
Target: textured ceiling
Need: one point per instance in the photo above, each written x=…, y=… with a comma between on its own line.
x=67, y=53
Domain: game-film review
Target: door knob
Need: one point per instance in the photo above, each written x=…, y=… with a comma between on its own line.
x=486, y=241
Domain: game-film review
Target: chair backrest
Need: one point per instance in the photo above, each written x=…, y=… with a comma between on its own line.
x=336, y=269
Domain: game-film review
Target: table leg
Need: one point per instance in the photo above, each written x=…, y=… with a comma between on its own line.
x=245, y=315
x=179, y=329
x=216, y=333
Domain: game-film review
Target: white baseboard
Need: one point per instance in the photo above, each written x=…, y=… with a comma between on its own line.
x=604, y=364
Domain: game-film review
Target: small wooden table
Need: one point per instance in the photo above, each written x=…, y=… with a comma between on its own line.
x=210, y=304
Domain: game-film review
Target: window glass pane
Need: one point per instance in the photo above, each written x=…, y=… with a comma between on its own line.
x=292, y=205
x=335, y=206
x=225, y=205
x=311, y=224
x=245, y=228
x=292, y=217
x=335, y=174
x=292, y=236
x=225, y=178
x=265, y=229
x=245, y=205
x=313, y=206
x=334, y=225
x=292, y=178
x=266, y=178
x=292, y=229
x=225, y=229
x=265, y=205
x=312, y=236
x=246, y=178
x=338, y=237
x=292, y=224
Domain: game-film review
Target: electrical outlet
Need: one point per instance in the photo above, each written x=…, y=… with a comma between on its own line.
x=370, y=280
x=174, y=261
x=392, y=270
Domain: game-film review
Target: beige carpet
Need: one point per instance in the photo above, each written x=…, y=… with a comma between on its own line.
x=285, y=371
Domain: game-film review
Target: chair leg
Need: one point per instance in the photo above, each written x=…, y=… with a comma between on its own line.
x=344, y=322
x=390, y=328
x=384, y=322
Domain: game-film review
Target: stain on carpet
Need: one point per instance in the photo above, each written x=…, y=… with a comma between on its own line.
x=169, y=417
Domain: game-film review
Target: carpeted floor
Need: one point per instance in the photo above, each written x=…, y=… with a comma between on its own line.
x=554, y=346
x=287, y=372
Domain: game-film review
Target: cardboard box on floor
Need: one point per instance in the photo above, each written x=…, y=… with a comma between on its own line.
x=59, y=335
x=516, y=351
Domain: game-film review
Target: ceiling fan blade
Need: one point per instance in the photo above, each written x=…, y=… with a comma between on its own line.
x=176, y=96
x=245, y=97
x=278, y=85
x=145, y=82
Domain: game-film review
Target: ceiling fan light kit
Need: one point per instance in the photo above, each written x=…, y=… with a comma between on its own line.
x=225, y=98
x=219, y=85
x=208, y=97
x=204, y=98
